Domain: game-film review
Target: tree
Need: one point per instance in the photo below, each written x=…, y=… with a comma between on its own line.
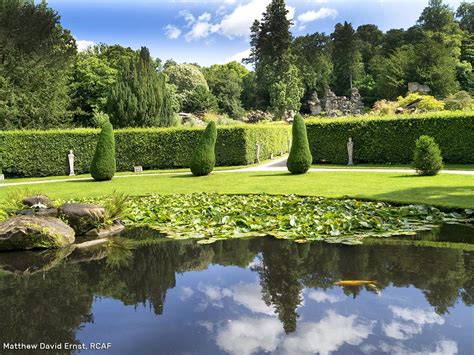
x=92, y=79
x=427, y=159
x=300, y=158
x=204, y=157
x=225, y=83
x=465, y=14
x=137, y=97
x=393, y=39
x=286, y=93
x=370, y=40
x=103, y=165
x=346, y=58
x=35, y=59
x=436, y=17
x=313, y=60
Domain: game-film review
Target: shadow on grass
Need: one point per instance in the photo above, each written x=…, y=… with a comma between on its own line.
x=286, y=173
x=456, y=196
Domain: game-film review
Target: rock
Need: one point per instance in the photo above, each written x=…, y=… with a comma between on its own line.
x=417, y=87
x=42, y=212
x=106, y=231
x=315, y=104
x=83, y=217
x=38, y=201
x=399, y=110
x=32, y=232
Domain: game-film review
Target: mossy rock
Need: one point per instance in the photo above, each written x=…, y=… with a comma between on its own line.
x=31, y=232
x=83, y=217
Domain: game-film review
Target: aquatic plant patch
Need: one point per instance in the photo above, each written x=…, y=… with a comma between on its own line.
x=212, y=217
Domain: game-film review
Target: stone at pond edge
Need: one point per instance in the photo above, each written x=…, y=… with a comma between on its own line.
x=31, y=232
x=42, y=212
x=106, y=231
x=83, y=217
x=36, y=200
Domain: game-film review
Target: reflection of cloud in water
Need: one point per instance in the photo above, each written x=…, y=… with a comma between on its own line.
x=247, y=295
x=321, y=296
x=327, y=335
x=414, y=320
x=443, y=347
x=247, y=335
x=186, y=293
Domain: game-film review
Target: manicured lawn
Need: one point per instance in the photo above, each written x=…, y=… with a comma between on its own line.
x=384, y=166
x=442, y=190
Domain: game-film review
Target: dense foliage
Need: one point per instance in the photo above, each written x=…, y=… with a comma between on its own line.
x=103, y=164
x=391, y=139
x=212, y=217
x=204, y=156
x=44, y=153
x=427, y=159
x=300, y=159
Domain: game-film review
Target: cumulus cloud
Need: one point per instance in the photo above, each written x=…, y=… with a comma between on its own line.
x=250, y=296
x=172, y=32
x=401, y=331
x=186, y=293
x=321, y=296
x=327, y=335
x=417, y=315
x=443, y=347
x=201, y=28
x=82, y=45
x=246, y=336
x=313, y=15
x=237, y=57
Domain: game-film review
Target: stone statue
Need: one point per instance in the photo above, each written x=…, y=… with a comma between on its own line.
x=350, y=151
x=257, y=147
x=71, y=163
x=314, y=104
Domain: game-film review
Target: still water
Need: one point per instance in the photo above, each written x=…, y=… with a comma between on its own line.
x=250, y=296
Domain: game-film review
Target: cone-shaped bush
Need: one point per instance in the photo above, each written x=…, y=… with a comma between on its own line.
x=427, y=159
x=103, y=164
x=204, y=157
x=300, y=158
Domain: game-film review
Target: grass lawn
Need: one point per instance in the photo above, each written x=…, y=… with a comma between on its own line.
x=382, y=166
x=442, y=190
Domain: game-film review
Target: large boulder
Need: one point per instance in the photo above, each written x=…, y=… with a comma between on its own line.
x=83, y=217
x=38, y=201
x=32, y=232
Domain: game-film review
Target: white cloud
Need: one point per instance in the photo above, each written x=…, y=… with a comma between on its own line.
x=417, y=315
x=313, y=15
x=327, y=335
x=83, y=45
x=201, y=28
x=188, y=17
x=321, y=296
x=250, y=296
x=172, y=32
x=401, y=331
x=205, y=17
x=246, y=336
x=237, y=57
x=443, y=347
x=186, y=293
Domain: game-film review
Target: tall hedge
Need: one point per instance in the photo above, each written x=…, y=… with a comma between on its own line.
x=300, y=159
x=204, y=156
x=391, y=140
x=103, y=164
x=44, y=153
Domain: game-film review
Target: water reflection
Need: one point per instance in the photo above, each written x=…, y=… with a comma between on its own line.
x=242, y=297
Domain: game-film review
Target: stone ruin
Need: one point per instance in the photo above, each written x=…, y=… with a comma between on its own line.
x=417, y=87
x=335, y=106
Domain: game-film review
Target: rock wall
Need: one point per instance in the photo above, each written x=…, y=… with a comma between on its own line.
x=335, y=106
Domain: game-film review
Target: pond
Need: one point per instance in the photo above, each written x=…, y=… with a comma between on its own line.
x=244, y=296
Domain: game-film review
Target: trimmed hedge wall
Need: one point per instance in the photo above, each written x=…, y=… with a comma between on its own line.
x=44, y=153
x=391, y=140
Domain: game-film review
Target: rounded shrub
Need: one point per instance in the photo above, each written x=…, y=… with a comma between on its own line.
x=103, y=164
x=300, y=158
x=427, y=159
x=204, y=157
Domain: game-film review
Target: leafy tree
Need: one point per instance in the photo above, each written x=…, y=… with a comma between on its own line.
x=225, y=83
x=137, y=97
x=103, y=165
x=300, y=158
x=427, y=159
x=370, y=39
x=346, y=58
x=204, y=157
x=436, y=17
x=465, y=13
x=313, y=60
x=249, y=91
x=199, y=100
x=286, y=94
x=35, y=58
x=393, y=39
x=92, y=79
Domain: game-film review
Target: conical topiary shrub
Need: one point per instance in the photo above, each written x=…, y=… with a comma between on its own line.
x=300, y=158
x=427, y=159
x=204, y=157
x=103, y=164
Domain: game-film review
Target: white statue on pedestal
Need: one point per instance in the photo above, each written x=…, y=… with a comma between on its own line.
x=71, y=163
x=350, y=151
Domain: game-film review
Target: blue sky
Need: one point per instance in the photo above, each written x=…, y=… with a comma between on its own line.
x=208, y=32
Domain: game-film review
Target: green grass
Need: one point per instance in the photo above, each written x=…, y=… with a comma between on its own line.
x=443, y=190
x=382, y=166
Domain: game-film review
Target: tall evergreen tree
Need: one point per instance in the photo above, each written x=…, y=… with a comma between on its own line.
x=137, y=98
x=346, y=58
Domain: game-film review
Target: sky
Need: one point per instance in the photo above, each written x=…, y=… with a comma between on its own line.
x=216, y=32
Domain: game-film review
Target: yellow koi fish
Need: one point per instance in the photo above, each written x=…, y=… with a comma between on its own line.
x=354, y=283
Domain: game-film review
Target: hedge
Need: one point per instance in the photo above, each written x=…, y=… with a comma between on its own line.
x=44, y=153
x=391, y=140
